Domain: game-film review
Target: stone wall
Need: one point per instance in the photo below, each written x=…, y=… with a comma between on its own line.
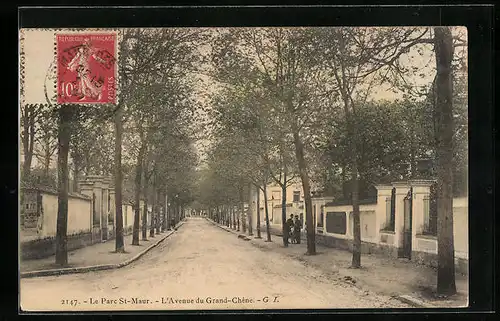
x=79, y=214
x=431, y=259
x=45, y=247
x=424, y=258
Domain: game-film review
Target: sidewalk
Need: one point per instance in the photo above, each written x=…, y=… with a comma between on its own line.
x=379, y=274
x=96, y=254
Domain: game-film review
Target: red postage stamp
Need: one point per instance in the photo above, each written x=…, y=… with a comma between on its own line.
x=86, y=68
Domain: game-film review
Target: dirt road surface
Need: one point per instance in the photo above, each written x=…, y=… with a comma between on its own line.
x=200, y=267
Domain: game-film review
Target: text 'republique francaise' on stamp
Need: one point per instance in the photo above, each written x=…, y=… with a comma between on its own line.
x=86, y=67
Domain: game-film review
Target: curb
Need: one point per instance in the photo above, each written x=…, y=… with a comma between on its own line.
x=412, y=301
x=237, y=233
x=84, y=269
x=303, y=237
x=229, y=230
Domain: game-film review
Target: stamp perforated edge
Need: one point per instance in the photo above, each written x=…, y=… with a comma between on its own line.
x=22, y=68
x=52, y=72
x=118, y=38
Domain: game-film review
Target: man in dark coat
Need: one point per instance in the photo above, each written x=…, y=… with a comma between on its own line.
x=296, y=229
x=289, y=226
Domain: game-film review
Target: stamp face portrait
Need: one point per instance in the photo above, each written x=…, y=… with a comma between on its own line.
x=86, y=68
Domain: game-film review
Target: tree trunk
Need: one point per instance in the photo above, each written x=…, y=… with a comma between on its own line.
x=268, y=230
x=238, y=217
x=284, y=227
x=177, y=213
x=299, y=152
x=46, y=160
x=234, y=217
x=76, y=172
x=243, y=216
x=137, y=213
x=169, y=215
x=153, y=214
x=119, y=242
x=156, y=209
x=258, y=213
x=152, y=223
x=356, y=246
x=250, y=209
x=64, y=136
x=145, y=221
x=443, y=48
x=164, y=212
x=28, y=138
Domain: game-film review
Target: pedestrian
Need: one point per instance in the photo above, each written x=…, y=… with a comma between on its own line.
x=289, y=228
x=296, y=229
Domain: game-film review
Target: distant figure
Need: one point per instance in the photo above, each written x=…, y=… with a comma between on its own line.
x=296, y=229
x=289, y=228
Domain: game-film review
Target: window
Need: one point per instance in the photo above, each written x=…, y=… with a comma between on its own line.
x=296, y=196
x=390, y=211
x=430, y=213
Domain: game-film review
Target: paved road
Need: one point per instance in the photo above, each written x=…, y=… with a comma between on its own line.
x=199, y=267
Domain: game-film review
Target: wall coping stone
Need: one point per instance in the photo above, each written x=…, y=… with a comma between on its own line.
x=53, y=192
x=426, y=236
x=421, y=182
x=367, y=201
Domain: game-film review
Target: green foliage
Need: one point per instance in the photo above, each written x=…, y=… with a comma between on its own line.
x=159, y=106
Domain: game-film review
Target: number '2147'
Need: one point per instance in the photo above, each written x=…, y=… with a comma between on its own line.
x=71, y=302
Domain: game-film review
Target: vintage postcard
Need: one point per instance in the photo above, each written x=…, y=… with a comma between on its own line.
x=256, y=168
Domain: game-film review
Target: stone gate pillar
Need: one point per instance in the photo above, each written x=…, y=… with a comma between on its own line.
x=97, y=191
x=402, y=189
x=86, y=188
x=421, y=191
x=112, y=210
x=105, y=208
x=382, y=212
